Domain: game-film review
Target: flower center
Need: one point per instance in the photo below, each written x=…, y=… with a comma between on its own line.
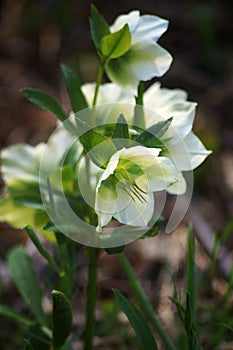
x=127, y=182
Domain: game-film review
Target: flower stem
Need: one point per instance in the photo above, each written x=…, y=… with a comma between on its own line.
x=93, y=254
x=98, y=83
x=143, y=300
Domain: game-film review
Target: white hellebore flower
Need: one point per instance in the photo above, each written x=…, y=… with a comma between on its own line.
x=183, y=147
x=125, y=189
x=145, y=59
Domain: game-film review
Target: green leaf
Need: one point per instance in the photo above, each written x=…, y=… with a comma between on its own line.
x=121, y=130
x=77, y=99
x=41, y=249
x=24, y=276
x=151, y=136
x=191, y=272
x=116, y=44
x=99, y=27
x=8, y=312
x=45, y=101
x=137, y=321
x=99, y=147
x=62, y=319
x=27, y=345
x=25, y=192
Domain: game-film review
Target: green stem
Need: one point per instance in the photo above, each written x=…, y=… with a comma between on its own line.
x=98, y=83
x=143, y=300
x=93, y=254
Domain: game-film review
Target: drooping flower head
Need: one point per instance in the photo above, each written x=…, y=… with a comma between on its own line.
x=145, y=58
x=125, y=189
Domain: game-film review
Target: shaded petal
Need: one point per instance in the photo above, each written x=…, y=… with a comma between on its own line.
x=21, y=161
x=178, y=187
x=188, y=153
x=137, y=213
x=108, y=93
x=132, y=19
x=149, y=27
x=159, y=175
x=170, y=103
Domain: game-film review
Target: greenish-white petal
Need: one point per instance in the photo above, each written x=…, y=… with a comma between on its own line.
x=137, y=212
x=143, y=61
x=149, y=27
x=167, y=103
x=179, y=187
x=132, y=19
x=189, y=153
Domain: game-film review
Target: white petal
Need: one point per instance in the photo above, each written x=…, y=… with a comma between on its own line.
x=21, y=161
x=189, y=153
x=178, y=187
x=132, y=19
x=137, y=213
x=160, y=174
x=170, y=103
x=108, y=93
x=155, y=97
x=143, y=61
x=150, y=27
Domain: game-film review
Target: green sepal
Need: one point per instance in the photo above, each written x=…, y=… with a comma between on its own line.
x=116, y=44
x=151, y=136
x=45, y=101
x=98, y=26
x=99, y=147
x=121, y=130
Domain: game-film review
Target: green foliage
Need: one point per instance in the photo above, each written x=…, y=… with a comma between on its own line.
x=77, y=99
x=121, y=130
x=11, y=313
x=62, y=319
x=99, y=147
x=25, y=278
x=27, y=345
x=151, y=136
x=44, y=101
x=137, y=321
x=41, y=249
x=98, y=25
x=116, y=44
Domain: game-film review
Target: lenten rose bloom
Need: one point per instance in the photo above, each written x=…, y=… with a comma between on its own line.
x=182, y=146
x=125, y=189
x=145, y=59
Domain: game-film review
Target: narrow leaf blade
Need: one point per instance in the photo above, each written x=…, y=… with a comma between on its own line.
x=45, y=101
x=99, y=27
x=151, y=136
x=62, y=318
x=8, y=312
x=137, y=321
x=24, y=276
x=121, y=130
x=77, y=99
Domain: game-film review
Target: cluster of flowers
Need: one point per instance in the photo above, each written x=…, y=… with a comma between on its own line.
x=153, y=143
